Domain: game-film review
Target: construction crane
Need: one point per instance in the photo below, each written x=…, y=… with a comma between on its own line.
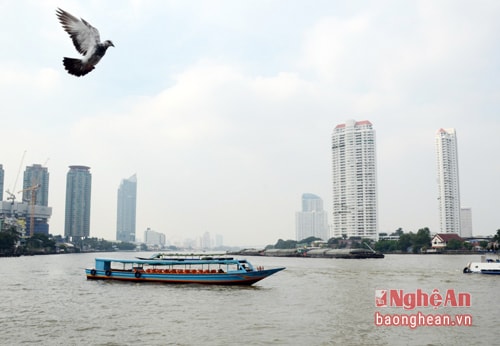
x=11, y=195
x=32, y=203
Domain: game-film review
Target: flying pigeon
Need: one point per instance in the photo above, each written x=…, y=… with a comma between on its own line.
x=86, y=40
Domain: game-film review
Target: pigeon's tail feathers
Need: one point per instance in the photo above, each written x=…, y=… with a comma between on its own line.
x=76, y=67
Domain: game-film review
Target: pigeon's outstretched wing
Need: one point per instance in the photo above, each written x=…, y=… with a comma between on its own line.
x=87, y=42
x=85, y=37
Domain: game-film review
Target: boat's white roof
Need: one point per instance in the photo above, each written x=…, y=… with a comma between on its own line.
x=171, y=261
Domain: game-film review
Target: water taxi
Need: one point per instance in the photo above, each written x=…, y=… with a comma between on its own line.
x=180, y=269
x=488, y=265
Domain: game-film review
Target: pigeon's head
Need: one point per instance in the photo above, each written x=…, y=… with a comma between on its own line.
x=108, y=43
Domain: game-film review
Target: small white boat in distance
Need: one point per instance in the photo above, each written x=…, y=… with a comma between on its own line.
x=488, y=265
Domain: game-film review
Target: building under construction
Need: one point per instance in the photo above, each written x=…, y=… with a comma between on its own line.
x=25, y=214
x=31, y=213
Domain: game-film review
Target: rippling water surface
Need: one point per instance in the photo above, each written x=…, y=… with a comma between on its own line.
x=46, y=300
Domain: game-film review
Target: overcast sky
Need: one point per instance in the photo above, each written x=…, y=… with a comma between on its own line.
x=225, y=109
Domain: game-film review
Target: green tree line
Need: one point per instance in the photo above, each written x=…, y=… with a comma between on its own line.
x=407, y=242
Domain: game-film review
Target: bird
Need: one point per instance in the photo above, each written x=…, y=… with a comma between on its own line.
x=86, y=41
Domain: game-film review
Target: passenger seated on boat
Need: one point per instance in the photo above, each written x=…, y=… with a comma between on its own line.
x=220, y=270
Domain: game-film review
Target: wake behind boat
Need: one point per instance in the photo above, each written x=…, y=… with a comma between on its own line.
x=165, y=268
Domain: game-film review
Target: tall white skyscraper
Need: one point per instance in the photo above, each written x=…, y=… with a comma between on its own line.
x=448, y=183
x=354, y=180
x=312, y=221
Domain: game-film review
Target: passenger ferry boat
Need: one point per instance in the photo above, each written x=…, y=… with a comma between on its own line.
x=172, y=268
x=488, y=265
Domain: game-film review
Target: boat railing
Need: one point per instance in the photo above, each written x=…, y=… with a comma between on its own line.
x=192, y=270
x=184, y=271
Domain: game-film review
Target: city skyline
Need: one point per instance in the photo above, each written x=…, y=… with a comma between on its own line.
x=229, y=121
x=310, y=202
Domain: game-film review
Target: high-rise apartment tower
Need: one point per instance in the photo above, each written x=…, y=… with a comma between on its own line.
x=354, y=180
x=448, y=183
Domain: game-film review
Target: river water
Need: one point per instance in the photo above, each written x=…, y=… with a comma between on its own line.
x=46, y=300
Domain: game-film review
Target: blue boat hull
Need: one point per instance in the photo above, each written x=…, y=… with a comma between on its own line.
x=236, y=278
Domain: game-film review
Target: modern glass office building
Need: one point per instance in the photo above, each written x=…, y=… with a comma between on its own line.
x=126, y=210
x=78, y=190
x=36, y=180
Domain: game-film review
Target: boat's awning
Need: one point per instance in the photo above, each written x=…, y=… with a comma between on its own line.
x=174, y=261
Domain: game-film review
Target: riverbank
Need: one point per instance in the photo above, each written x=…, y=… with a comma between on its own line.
x=312, y=253
x=342, y=253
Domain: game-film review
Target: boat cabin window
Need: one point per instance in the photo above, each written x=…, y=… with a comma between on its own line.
x=245, y=267
x=103, y=265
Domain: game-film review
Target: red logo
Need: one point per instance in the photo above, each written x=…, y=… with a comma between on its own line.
x=381, y=298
